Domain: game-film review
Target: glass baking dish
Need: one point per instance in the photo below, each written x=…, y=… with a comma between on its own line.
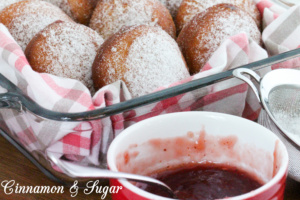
x=14, y=102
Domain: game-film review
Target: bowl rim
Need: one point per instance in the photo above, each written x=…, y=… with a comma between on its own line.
x=113, y=147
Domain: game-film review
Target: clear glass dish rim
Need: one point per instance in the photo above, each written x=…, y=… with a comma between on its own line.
x=15, y=98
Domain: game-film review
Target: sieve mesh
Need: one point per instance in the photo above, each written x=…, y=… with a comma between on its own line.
x=294, y=154
x=284, y=104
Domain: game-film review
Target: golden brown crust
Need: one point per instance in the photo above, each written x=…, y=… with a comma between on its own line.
x=172, y=6
x=202, y=35
x=165, y=19
x=105, y=59
x=66, y=50
x=24, y=19
x=137, y=55
x=34, y=54
x=9, y=13
x=107, y=17
x=81, y=10
x=189, y=8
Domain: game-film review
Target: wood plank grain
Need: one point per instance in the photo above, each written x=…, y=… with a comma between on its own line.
x=14, y=166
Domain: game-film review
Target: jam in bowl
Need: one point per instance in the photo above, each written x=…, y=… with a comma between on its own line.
x=204, y=181
x=200, y=155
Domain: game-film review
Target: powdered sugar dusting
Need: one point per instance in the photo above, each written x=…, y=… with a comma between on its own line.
x=71, y=50
x=193, y=7
x=284, y=104
x=172, y=6
x=5, y=3
x=33, y=18
x=24, y=33
x=222, y=26
x=154, y=60
x=289, y=123
x=63, y=4
x=109, y=17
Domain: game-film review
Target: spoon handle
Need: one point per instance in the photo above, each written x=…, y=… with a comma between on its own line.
x=78, y=171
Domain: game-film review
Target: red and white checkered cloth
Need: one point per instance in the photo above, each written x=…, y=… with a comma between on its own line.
x=283, y=35
x=84, y=141
x=280, y=36
x=269, y=11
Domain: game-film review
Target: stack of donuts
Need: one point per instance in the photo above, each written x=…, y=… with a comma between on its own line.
x=144, y=43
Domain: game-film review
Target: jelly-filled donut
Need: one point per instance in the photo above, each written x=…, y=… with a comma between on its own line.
x=172, y=5
x=65, y=49
x=189, y=8
x=203, y=34
x=79, y=10
x=111, y=15
x=144, y=57
x=24, y=19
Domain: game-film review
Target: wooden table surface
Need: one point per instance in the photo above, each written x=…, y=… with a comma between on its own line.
x=14, y=166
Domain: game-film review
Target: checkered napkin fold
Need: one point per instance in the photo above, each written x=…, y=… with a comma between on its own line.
x=280, y=36
x=84, y=141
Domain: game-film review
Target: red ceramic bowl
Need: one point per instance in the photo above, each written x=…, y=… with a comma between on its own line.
x=167, y=140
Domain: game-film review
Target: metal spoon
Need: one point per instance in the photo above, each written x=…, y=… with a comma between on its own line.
x=78, y=171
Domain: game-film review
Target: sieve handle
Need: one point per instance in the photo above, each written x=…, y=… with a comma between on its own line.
x=240, y=73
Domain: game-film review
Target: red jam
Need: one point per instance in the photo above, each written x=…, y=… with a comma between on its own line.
x=205, y=181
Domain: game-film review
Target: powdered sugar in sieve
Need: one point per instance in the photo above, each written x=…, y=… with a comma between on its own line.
x=279, y=94
x=284, y=103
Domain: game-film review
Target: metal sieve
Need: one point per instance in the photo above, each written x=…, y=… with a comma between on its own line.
x=279, y=94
